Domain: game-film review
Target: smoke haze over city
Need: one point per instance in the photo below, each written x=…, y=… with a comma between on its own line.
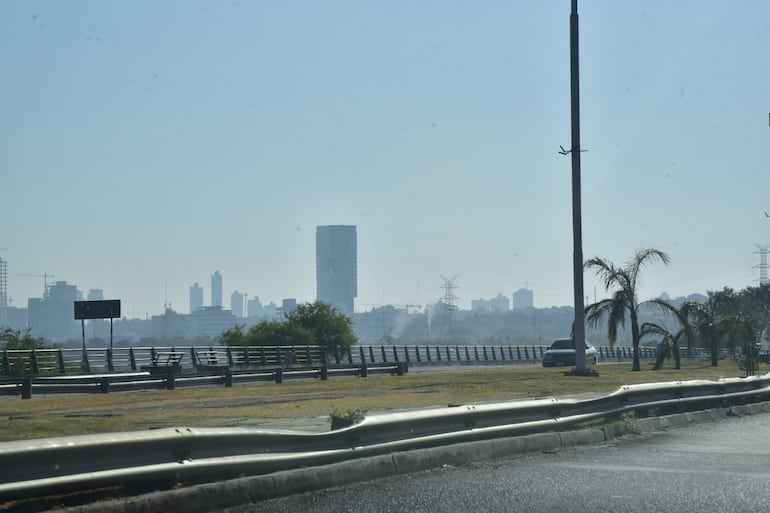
x=147, y=145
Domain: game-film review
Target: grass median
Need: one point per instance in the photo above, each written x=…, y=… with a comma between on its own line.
x=62, y=415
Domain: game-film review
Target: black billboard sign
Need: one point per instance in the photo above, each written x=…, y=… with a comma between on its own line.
x=109, y=309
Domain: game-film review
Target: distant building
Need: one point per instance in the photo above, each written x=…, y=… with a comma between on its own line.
x=498, y=304
x=196, y=297
x=523, y=299
x=216, y=289
x=54, y=316
x=337, y=266
x=236, y=304
x=288, y=305
x=15, y=318
x=254, y=308
x=95, y=295
x=172, y=325
x=211, y=321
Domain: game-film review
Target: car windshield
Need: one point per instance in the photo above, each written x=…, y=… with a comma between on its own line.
x=563, y=344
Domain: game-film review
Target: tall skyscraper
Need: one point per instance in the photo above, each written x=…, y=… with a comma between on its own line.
x=216, y=289
x=336, y=264
x=236, y=304
x=196, y=297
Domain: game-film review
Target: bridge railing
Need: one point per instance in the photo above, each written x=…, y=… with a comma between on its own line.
x=63, y=361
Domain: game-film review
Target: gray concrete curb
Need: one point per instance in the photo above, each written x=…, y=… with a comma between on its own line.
x=237, y=492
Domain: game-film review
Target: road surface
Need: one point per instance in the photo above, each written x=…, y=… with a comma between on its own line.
x=712, y=467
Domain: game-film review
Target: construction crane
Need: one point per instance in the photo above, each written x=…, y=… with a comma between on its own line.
x=45, y=277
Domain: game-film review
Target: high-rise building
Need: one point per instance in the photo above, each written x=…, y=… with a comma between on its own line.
x=288, y=305
x=336, y=266
x=522, y=299
x=236, y=304
x=216, y=289
x=196, y=297
x=254, y=307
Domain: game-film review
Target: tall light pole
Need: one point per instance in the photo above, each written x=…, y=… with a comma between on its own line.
x=577, y=230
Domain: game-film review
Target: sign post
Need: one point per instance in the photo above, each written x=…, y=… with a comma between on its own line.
x=109, y=309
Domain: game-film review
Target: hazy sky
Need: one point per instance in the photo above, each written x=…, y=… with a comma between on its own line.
x=145, y=145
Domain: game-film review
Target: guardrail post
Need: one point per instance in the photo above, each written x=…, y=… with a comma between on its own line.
x=278, y=375
x=324, y=372
x=364, y=370
x=400, y=369
x=33, y=358
x=110, y=365
x=170, y=380
x=457, y=353
x=363, y=355
x=384, y=356
x=395, y=353
x=467, y=354
x=104, y=385
x=60, y=361
x=518, y=353
x=230, y=361
x=486, y=357
x=448, y=354
x=417, y=353
x=6, y=363
x=438, y=353
x=371, y=354
x=228, y=378
x=26, y=388
x=132, y=358
x=526, y=353
x=476, y=352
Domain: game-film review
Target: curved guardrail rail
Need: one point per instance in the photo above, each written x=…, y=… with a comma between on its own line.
x=42, y=467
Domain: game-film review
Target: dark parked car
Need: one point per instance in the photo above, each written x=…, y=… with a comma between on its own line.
x=562, y=352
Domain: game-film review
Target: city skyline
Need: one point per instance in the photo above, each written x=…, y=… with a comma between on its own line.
x=146, y=145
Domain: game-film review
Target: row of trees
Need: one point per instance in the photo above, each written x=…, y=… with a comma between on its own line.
x=728, y=320
x=316, y=323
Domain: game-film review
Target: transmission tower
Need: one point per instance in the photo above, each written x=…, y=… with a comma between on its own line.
x=762, y=263
x=448, y=302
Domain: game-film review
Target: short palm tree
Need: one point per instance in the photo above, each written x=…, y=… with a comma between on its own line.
x=622, y=282
x=718, y=325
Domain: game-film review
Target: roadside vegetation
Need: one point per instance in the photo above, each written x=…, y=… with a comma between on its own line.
x=253, y=404
x=315, y=323
x=735, y=322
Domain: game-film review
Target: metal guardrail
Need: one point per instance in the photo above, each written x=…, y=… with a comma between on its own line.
x=169, y=378
x=152, y=459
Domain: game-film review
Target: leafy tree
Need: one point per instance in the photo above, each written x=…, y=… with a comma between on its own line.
x=330, y=328
x=233, y=336
x=15, y=340
x=314, y=323
x=622, y=281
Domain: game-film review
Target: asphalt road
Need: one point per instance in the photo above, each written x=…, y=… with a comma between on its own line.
x=712, y=467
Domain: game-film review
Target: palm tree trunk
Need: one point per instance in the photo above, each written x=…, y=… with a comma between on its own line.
x=677, y=357
x=714, y=346
x=635, y=340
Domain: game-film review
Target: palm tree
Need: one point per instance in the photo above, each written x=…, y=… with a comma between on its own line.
x=717, y=323
x=623, y=281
